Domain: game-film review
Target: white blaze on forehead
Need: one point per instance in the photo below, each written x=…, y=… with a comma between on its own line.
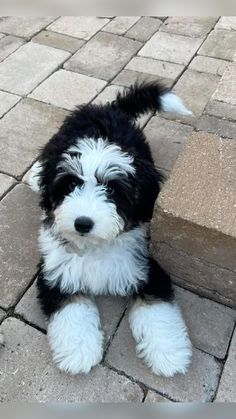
x=92, y=157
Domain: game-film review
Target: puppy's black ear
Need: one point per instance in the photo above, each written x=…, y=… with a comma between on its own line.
x=147, y=189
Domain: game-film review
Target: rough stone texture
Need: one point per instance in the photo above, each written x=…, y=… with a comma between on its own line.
x=227, y=22
x=24, y=140
x=58, y=40
x=168, y=47
x=98, y=57
x=227, y=388
x=68, y=89
x=189, y=26
x=24, y=26
x=121, y=24
x=9, y=44
x=195, y=212
x=2, y=315
x=220, y=44
x=153, y=397
x=19, y=255
x=159, y=69
x=221, y=110
x=23, y=70
x=201, y=277
x=28, y=373
x=167, y=139
x=199, y=384
x=108, y=94
x=195, y=89
x=30, y=310
x=217, y=126
x=210, y=324
x=144, y=29
x=5, y=183
x=127, y=77
x=78, y=26
x=110, y=308
x=226, y=90
x=208, y=65
x=7, y=101
x=208, y=164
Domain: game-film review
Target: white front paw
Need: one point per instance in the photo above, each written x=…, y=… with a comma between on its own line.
x=161, y=337
x=166, y=362
x=75, y=338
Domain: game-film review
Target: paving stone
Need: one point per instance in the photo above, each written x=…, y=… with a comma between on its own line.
x=2, y=315
x=9, y=44
x=189, y=26
x=210, y=324
x=110, y=308
x=226, y=90
x=78, y=26
x=108, y=94
x=195, y=89
x=153, y=397
x=227, y=22
x=121, y=24
x=20, y=142
x=7, y=101
x=98, y=57
x=169, y=47
x=221, y=110
x=191, y=204
x=19, y=255
x=195, y=274
x=29, y=375
x=58, y=40
x=68, y=89
x=25, y=26
x=23, y=70
x=210, y=215
x=227, y=387
x=167, y=139
x=220, y=44
x=208, y=65
x=220, y=127
x=30, y=310
x=144, y=29
x=5, y=183
x=199, y=384
x=127, y=77
x=157, y=68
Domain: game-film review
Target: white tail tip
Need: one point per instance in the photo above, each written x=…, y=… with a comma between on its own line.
x=170, y=102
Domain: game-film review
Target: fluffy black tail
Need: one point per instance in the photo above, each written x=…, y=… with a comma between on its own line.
x=147, y=97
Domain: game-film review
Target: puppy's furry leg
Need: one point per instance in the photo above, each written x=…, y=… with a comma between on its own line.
x=74, y=332
x=75, y=336
x=159, y=329
x=33, y=177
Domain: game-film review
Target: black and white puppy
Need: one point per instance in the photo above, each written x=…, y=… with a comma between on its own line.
x=98, y=185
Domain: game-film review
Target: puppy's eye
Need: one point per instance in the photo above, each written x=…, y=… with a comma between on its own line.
x=110, y=190
x=74, y=183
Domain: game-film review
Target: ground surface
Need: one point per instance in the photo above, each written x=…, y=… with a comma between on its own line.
x=48, y=65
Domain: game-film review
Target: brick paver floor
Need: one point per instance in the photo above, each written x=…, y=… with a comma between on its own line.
x=47, y=65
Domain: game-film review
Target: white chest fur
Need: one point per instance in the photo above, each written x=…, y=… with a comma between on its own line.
x=116, y=267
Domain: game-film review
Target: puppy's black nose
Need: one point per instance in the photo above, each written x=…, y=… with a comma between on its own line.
x=83, y=224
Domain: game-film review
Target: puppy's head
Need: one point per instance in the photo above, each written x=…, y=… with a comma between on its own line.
x=98, y=191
